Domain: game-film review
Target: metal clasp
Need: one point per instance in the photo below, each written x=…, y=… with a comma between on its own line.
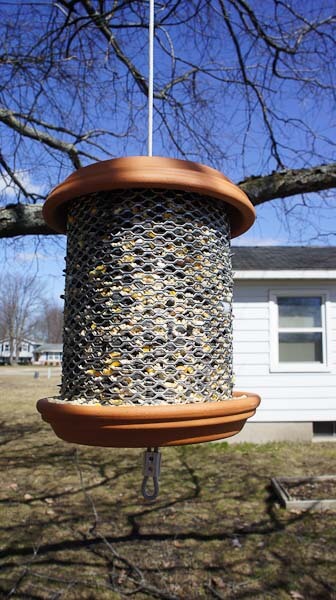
x=151, y=470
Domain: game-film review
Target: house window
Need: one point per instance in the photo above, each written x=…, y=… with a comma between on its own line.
x=298, y=331
x=325, y=429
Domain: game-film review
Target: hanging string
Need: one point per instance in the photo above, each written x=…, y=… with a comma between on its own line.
x=150, y=77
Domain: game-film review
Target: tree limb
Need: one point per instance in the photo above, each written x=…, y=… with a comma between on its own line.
x=99, y=20
x=22, y=219
x=283, y=184
x=12, y=176
x=7, y=117
x=27, y=219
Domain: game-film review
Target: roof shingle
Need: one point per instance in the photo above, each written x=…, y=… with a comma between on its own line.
x=278, y=258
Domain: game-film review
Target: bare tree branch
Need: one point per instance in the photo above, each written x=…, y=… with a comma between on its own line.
x=284, y=184
x=20, y=296
x=22, y=219
x=7, y=117
x=102, y=25
x=244, y=87
x=13, y=176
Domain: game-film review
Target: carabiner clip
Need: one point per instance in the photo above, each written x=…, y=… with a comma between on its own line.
x=151, y=470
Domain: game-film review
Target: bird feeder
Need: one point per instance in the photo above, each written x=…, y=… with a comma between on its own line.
x=147, y=356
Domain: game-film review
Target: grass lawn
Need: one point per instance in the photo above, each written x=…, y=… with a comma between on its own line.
x=74, y=526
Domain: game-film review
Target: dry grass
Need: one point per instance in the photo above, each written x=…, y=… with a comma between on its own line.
x=215, y=532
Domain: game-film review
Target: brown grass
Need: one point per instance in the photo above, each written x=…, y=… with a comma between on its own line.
x=215, y=532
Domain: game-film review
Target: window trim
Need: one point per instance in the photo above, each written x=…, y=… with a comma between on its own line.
x=301, y=367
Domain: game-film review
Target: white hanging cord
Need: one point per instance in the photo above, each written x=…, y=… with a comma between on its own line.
x=150, y=77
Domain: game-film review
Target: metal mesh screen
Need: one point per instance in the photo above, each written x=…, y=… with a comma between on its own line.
x=148, y=299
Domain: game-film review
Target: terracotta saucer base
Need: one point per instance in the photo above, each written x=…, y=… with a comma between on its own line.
x=148, y=426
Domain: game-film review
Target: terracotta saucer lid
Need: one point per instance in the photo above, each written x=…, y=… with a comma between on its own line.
x=144, y=426
x=149, y=172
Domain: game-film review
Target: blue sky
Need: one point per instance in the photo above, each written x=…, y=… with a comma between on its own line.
x=45, y=256
x=224, y=119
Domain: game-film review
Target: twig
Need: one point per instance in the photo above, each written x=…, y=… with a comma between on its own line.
x=24, y=573
x=140, y=583
x=213, y=591
x=87, y=496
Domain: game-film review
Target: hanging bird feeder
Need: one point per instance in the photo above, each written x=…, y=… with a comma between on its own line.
x=147, y=356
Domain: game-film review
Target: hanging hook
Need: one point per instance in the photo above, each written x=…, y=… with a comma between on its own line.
x=151, y=469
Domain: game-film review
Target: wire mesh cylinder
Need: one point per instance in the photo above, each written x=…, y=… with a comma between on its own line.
x=148, y=297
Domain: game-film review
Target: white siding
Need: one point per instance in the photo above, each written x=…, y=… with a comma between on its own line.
x=291, y=396
x=50, y=357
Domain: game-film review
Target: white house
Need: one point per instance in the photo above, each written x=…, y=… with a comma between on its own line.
x=48, y=354
x=285, y=340
x=32, y=353
x=25, y=351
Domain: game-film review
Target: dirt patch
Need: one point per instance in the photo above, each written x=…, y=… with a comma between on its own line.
x=311, y=489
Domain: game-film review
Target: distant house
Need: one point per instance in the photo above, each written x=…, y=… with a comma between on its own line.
x=30, y=352
x=23, y=352
x=284, y=340
x=48, y=354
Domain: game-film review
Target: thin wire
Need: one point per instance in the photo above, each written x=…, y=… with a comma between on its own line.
x=150, y=77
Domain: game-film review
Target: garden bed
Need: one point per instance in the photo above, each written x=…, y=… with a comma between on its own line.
x=312, y=493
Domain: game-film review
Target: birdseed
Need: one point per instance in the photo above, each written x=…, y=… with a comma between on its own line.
x=148, y=300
